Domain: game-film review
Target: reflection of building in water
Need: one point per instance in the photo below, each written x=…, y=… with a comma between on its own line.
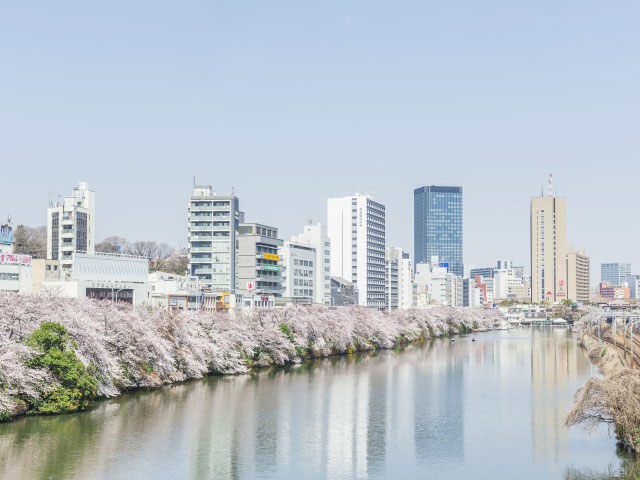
x=347, y=430
x=556, y=363
x=439, y=406
x=378, y=419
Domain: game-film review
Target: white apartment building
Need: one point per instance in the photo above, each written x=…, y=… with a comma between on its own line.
x=391, y=280
x=213, y=222
x=435, y=286
x=315, y=235
x=71, y=226
x=399, y=279
x=405, y=281
x=356, y=229
x=299, y=270
x=505, y=281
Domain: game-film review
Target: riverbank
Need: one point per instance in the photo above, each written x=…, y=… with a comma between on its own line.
x=123, y=348
x=614, y=398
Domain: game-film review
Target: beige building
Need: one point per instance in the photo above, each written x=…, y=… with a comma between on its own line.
x=578, y=276
x=548, y=249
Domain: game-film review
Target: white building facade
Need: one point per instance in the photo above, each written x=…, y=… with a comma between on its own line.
x=118, y=278
x=356, y=229
x=299, y=270
x=315, y=235
x=213, y=225
x=71, y=226
x=436, y=286
x=397, y=260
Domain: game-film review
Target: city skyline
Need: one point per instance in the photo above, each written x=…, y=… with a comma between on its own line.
x=350, y=98
x=408, y=246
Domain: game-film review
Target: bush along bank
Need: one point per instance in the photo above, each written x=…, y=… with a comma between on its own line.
x=613, y=399
x=56, y=354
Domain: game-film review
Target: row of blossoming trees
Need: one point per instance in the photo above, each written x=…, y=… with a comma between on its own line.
x=127, y=348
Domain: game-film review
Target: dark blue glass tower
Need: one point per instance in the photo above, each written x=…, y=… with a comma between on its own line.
x=437, y=226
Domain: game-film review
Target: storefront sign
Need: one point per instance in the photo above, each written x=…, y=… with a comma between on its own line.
x=270, y=256
x=14, y=259
x=271, y=268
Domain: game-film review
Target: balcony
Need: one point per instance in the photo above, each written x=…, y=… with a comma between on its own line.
x=203, y=271
x=200, y=249
x=268, y=278
x=200, y=228
x=203, y=208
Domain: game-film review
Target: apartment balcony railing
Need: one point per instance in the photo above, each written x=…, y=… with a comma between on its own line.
x=200, y=249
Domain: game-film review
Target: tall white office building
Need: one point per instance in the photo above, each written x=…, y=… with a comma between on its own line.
x=356, y=229
x=71, y=226
x=213, y=222
x=315, y=235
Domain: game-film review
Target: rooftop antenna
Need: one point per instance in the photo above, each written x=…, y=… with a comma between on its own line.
x=551, y=185
x=194, y=181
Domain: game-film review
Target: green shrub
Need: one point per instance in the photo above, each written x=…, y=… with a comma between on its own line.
x=56, y=354
x=286, y=330
x=5, y=415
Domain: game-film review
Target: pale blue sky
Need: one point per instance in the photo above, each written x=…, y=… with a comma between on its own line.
x=291, y=101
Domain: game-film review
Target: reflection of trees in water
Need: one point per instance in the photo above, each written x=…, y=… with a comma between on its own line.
x=83, y=444
x=342, y=416
x=628, y=469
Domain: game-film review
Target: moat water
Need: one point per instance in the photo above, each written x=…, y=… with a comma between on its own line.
x=490, y=409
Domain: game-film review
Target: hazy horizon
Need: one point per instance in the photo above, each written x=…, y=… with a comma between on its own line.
x=292, y=103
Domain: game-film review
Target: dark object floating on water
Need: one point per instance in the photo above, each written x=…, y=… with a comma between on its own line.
x=453, y=340
x=473, y=339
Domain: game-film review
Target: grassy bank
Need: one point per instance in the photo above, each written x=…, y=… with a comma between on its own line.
x=57, y=354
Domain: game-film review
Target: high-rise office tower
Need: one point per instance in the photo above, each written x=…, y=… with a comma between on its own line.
x=437, y=226
x=615, y=274
x=71, y=226
x=213, y=226
x=356, y=229
x=548, y=249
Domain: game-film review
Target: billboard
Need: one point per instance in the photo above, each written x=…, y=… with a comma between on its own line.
x=271, y=256
x=6, y=234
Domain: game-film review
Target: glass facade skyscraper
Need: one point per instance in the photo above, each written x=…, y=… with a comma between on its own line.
x=437, y=226
x=615, y=274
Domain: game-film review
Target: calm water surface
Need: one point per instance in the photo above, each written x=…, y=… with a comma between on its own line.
x=490, y=409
